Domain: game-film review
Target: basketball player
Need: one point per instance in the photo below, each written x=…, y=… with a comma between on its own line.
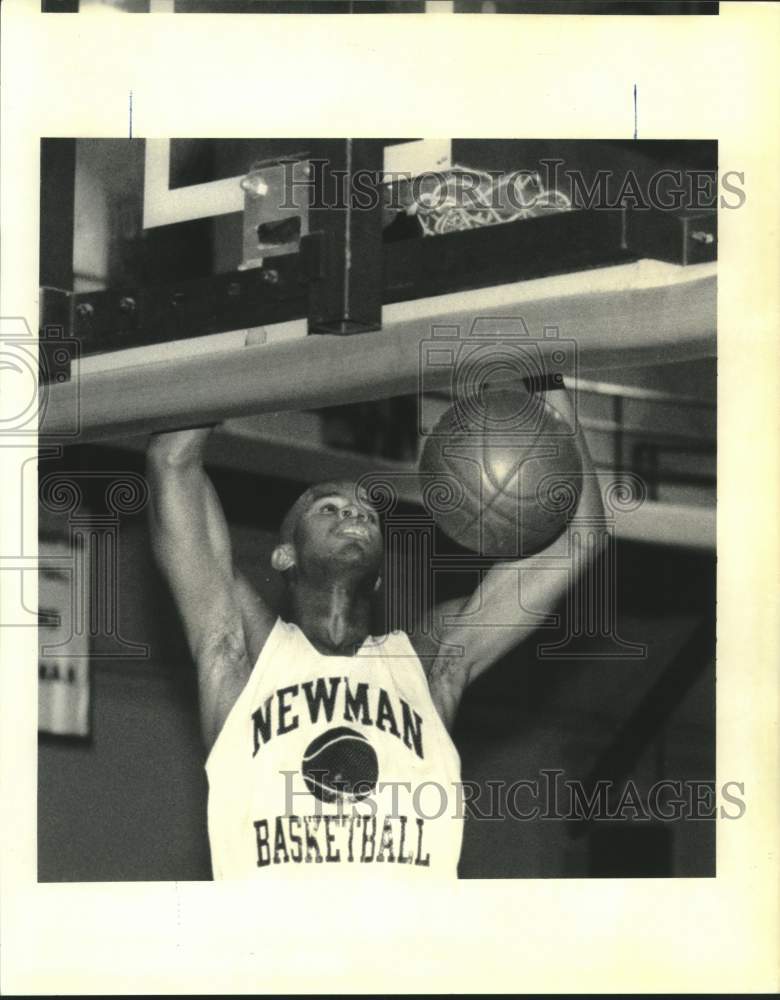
x=329, y=748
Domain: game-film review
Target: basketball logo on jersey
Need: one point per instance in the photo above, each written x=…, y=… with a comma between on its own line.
x=340, y=764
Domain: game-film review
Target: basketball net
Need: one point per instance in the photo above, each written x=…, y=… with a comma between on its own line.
x=464, y=198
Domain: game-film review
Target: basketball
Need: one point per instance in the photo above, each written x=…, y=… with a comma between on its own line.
x=340, y=764
x=501, y=473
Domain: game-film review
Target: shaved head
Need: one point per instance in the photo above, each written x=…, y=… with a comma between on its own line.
x=342, y=487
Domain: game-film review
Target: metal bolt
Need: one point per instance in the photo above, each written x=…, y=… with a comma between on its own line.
x=255, y=184
x=703, y=237
x=127, y=305
x=84, y=310
x=270, y=276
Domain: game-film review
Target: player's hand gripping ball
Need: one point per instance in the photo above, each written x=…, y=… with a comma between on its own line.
x=501, y=473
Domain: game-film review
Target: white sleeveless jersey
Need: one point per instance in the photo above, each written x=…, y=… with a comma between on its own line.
x=333, y=765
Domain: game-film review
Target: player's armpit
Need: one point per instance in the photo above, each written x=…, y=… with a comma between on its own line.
x=224, y=668
x=257, y=618
x=446, y=667
x=448, y=676
x=235, y=630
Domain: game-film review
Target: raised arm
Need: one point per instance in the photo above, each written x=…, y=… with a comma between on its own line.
x=492, y=620
x=225, y=622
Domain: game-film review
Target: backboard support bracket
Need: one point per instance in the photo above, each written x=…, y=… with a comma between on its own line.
x=344, y=254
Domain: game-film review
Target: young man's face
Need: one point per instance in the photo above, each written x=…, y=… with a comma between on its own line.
x=340, y=529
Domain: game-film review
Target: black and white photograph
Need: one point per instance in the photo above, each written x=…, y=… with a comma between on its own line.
x=391, y=494
x=388, y=418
